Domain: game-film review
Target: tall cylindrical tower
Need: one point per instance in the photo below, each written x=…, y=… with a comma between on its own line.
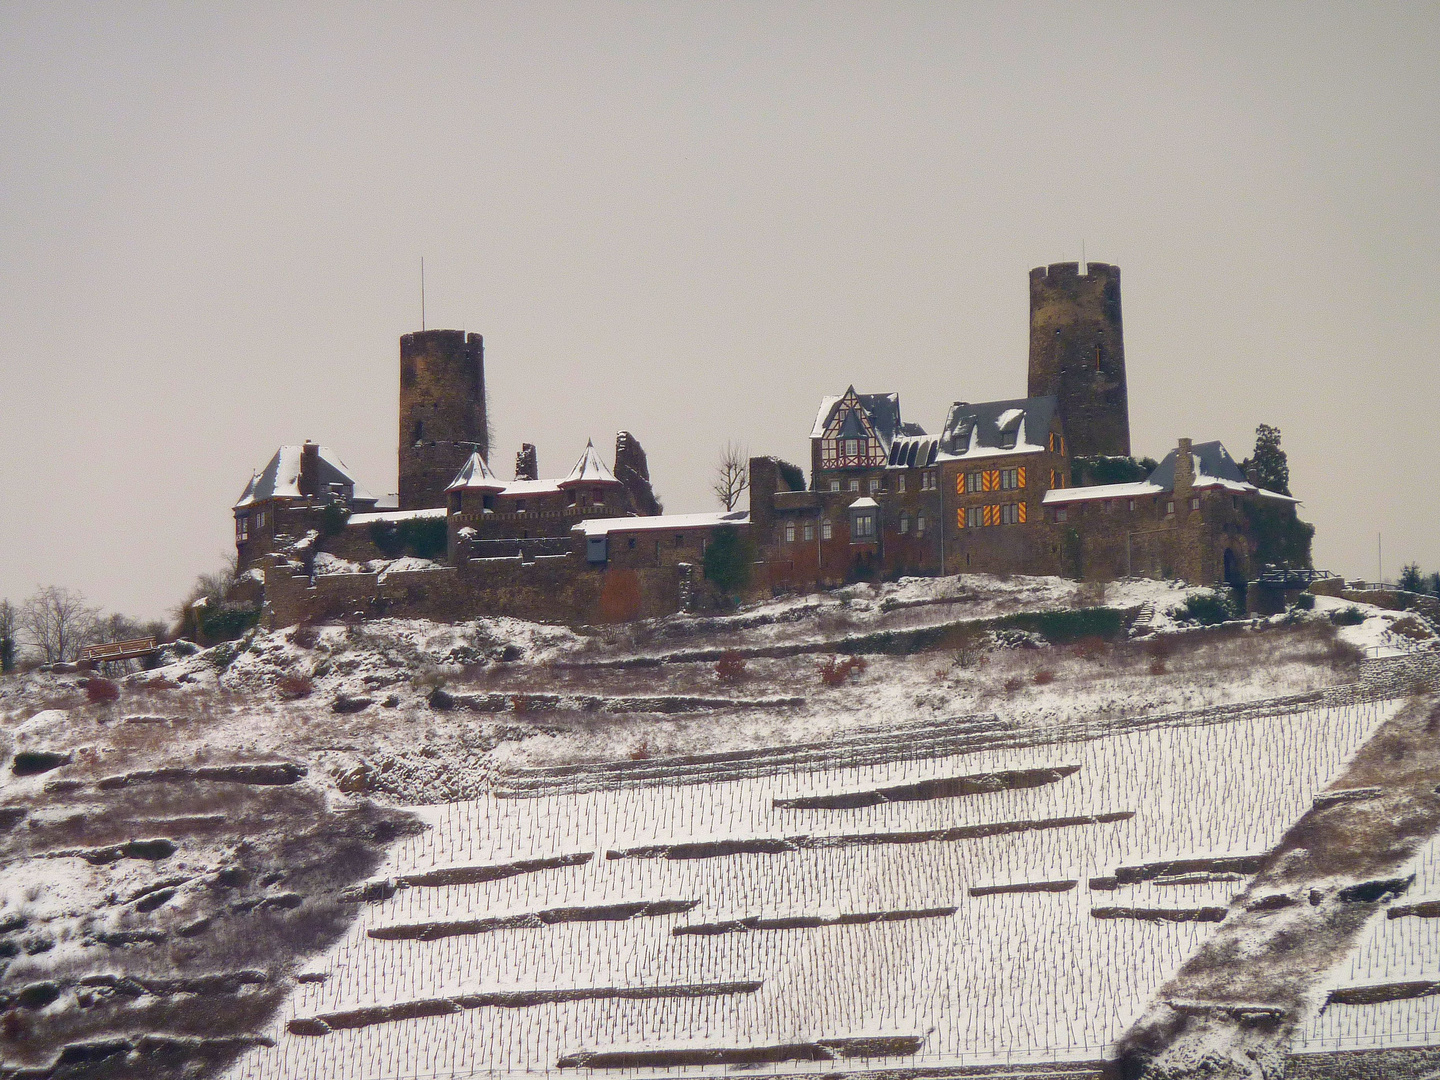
x=442, y=412
x=1077, y=353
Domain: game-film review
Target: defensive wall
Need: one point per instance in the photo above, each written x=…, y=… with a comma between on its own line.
x=554, y=589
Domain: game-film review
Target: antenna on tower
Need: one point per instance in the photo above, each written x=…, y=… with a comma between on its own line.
x=422, y=292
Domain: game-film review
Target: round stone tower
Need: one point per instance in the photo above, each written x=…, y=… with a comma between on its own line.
x=1077, y=353
x=442, y=412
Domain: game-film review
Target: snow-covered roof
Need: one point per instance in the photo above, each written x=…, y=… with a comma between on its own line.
x=866, y=503
x=913, y=451
x=475, y=475
x=532, y=487
x=883, y=411
x=396, y=515
x=1213, y=467
x=589, y=470
x=1101, y=491
x=280, y=478
x=661, y=523
x=988, y=428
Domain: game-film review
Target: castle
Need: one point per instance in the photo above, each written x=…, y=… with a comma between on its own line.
x=1001, y=489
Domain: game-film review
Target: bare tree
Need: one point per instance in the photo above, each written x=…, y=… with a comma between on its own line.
x=732, y=475
x=59, y=621
x=9, y=626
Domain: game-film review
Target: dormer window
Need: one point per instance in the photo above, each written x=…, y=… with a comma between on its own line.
x=1007, y=439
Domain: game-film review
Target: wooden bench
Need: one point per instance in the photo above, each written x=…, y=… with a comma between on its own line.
x=119, y=650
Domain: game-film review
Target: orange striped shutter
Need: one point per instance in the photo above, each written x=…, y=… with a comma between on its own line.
x=1021, y=472
x=992, y=516
x=1021, y=512
x=960, y=518
x=990, y=481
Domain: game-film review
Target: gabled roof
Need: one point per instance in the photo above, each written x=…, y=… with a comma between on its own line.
x=1211, y=460
x=1214, y=467
x=280, y=478
x=475, y=475
x=881, y=411
x=589, y=470
x=1018, y=426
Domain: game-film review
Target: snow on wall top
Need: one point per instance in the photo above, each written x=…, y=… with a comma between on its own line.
x=395, y=515
x=660, y=523
x=280, y=478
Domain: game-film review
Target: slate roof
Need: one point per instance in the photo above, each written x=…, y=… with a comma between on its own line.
x=914, y=451
x=1019, y=425
x=883, y=411
x=280, y=478
x=589, y=469
x=1214, y=467
x=475, y=475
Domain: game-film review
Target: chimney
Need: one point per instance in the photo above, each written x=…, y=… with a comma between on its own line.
x=310, y=469
x=1184, y=472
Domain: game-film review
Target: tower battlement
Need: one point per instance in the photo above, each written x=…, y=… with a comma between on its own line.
x=1077, y=353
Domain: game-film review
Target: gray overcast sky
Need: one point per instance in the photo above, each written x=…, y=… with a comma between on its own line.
x=692, y=220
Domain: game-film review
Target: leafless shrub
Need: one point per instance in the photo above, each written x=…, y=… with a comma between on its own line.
x=1043, y=677
x=641, y=752
x=99, y=690
x=1157, y=666
x=730, y=667
x=305, y=636
x=1090, y=648
x=295, y=686
x=1014, y=683
x=836, y=672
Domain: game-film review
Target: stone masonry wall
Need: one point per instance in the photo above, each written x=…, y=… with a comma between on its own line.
x=442, y=412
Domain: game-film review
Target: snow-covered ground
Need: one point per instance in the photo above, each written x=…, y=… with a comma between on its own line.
x=1007, y=976
x=411, y=712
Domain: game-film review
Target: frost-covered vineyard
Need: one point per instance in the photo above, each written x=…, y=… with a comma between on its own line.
x=1396, y=965
x=649, y=928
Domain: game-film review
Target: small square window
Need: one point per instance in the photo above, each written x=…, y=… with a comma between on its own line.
x=1169, y=507
x=809, y=532
x=854, y=485
x=900, y=483
x=789, y=534
x=1195, y=503
x=1061, y=513
x=834, y=485
x=920, y=525
x=904, y=524
x=874, y=485
x=825, y=530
